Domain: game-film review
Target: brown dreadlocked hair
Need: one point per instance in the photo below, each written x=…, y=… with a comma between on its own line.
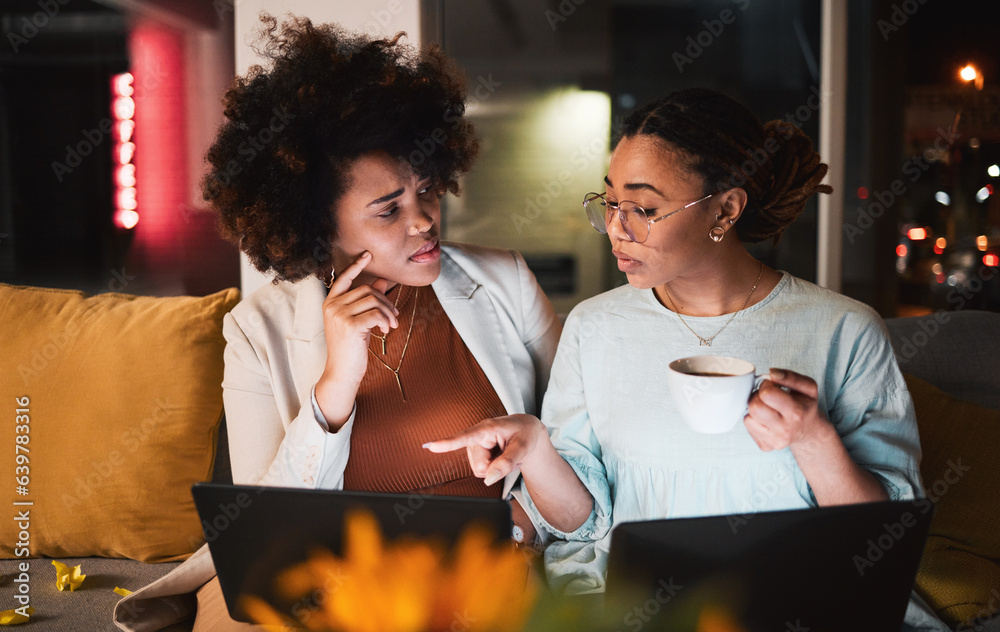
x=725, y=144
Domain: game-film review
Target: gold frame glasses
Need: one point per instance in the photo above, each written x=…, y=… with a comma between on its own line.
x=634, y=219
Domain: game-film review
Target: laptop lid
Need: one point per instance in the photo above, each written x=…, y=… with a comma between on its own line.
x=827, y=569
x=254, y=532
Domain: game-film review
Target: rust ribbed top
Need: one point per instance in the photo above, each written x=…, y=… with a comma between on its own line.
x=446, y=391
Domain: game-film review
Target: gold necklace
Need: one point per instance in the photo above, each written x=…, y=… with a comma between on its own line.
x=405, y=345
x=395, y=304
x=707, y=342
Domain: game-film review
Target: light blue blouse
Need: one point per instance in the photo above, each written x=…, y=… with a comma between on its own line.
x=610, y=415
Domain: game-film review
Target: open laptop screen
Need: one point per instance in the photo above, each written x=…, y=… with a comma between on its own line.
x=847, y=568
x=254, y=533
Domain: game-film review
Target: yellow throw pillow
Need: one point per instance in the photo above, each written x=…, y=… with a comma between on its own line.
x=112, y=404
x=959, y=574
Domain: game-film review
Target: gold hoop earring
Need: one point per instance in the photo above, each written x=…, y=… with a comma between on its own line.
x=716, y=234
x=329, y=283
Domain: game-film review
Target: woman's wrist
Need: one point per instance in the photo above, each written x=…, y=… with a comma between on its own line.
x=336, y=401
x=831, y=473
x=523, y=532
x=818, y=445
x=540, y=449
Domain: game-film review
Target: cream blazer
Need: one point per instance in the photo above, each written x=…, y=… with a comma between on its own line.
x=276, y=352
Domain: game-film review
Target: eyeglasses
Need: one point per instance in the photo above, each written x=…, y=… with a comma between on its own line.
x=635, y=220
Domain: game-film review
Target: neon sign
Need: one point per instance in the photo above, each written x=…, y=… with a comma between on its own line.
x=123, y=111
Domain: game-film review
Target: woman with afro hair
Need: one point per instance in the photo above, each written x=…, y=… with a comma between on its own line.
x=375, y=337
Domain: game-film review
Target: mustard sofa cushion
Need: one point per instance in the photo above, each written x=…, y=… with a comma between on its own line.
x=959, y=573
x=115, y=402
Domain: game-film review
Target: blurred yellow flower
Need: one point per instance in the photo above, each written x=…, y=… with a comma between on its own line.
x=718, y=619
x=408, y=585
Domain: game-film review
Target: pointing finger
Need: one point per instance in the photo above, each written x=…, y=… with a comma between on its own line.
x=474, y=436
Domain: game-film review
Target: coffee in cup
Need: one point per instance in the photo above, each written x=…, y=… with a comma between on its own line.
x=711, y=392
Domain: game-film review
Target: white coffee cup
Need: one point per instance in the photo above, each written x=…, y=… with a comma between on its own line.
x=711, y=392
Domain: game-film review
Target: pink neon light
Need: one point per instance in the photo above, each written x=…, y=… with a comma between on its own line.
x=124, y=130
x=125, y=153
x=122, y=85
x=126, y=219
x=125, y=176
x=124, y=107
x=126, y=199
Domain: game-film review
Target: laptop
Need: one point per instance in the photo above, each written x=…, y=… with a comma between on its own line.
x=832, y=569
x=254, y=532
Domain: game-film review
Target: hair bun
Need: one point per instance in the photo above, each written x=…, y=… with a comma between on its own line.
x=797, y=169
x=796, y=173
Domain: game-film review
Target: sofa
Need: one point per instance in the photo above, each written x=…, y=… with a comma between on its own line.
x=119, y=405
x=111, y=494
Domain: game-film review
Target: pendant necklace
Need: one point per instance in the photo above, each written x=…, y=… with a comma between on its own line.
x=707, y=342
x=405, y=345
x=395, y=304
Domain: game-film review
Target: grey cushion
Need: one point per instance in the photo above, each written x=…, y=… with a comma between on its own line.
x=90, y=606
x=959, y=352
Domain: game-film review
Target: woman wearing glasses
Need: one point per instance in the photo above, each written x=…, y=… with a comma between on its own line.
x=694, y=178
